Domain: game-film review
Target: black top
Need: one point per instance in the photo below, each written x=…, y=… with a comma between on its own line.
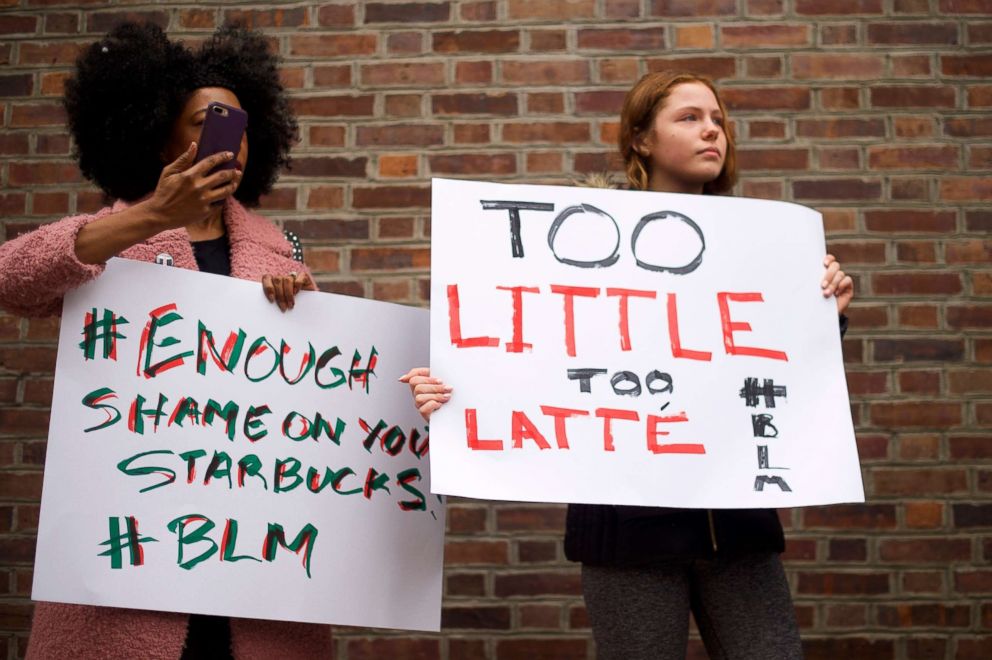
x=213, y=256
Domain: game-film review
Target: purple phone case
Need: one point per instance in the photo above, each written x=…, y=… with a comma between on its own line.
x=222, y=129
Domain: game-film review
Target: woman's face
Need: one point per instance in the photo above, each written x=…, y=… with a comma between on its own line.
x=686, y=145
x=189, y=123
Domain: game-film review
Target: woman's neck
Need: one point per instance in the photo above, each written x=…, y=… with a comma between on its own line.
x=661, y=182
x=212, y=227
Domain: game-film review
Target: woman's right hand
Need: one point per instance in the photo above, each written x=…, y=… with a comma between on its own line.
x=429, y=393
x=188, y=193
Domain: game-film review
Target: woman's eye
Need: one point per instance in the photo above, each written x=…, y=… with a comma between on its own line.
x=689, y=118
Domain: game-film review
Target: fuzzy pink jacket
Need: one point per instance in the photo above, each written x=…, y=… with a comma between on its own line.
x=36, y=270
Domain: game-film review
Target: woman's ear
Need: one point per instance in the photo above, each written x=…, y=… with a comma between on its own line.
x=641, y=146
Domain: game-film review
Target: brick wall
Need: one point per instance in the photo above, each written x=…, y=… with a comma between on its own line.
x=875, y=112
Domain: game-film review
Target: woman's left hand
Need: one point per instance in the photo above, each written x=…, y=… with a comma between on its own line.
x=836, y=283
x=282, y=289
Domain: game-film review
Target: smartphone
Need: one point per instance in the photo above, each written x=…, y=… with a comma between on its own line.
x=223, y=128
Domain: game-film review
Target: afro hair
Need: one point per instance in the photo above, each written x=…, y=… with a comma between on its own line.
x=129, y=88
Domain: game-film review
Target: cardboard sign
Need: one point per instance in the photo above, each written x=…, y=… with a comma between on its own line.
x=623, y=347
x=210, y=454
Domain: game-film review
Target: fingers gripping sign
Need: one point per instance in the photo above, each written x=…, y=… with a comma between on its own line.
x=429, y=393
x=837, y=283
x=282, y=289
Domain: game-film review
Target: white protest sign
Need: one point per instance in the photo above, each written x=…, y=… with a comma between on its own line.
x=637, y=348
x=210, y=454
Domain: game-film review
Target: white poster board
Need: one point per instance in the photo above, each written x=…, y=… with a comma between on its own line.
x=294, y=488
x=624, y=347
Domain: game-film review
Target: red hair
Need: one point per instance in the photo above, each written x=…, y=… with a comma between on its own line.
x=641, y=106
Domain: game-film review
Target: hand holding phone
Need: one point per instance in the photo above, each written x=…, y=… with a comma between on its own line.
x=223, y=129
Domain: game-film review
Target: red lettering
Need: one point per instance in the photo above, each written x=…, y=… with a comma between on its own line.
x=608, y=415
x=518, y=345
x=570, y=292
x=524, y=429
x=730, y=327
x=472, y=433
x=625, y=296
x=673, y=335
x=654, y=432
x=455, y=324
x=560, y=415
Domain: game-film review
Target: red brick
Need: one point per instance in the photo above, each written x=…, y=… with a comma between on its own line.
x=918, y=350
x=918, y=550
x=476, y=617
x=767, y=98
x=622, y=39
x=916, y=414
x=332, y=45
x=913, y=127
x=104, y=21
x=490, y=164
x=498, y=103
x=919, y=382
x=556, y=132
x=359, y=105
x=904, y=66
x=548, y=72
x=851, y=550
x=910, y=220
x=196, y=18
x=773, y=159
x=913, y=34
x=17, y=85
x=531, y=519
x=924, y=515
x=903, y=97
x=479, y=11
x=548, y=40
x=712, y=67
x=408, y=649
x=421, y=135
x=913, y=158
x=527, y=583
x=326, y=166
x=850, y=516
x=847, y=584
x=840, y=98
x=764, y=36
x=403, y=74
x=541, y=649
x=293, y=17
x=969, y=316
x=845, y=34
x=336, y=15
x=966, y=65
x=838, y=7
x=966, y=188
x=25, y=173
x=477, y=41
x=904, y=481
x=968, y=126
x=473, y=72
x=837, y=189
x=476, y=552
x=401, y=165
x=970, y=447
x=545, y=103
x=14, y=24
x=407, y=12
x=693, y=8
x=550, y=9
x=840, y=128
x=838, y=66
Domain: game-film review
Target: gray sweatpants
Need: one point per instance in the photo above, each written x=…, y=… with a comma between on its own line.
x=741, y=605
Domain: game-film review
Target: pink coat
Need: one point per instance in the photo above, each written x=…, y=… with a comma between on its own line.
x=36, y=270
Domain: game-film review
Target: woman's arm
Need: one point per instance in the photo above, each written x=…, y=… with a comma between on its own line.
x=185, y=193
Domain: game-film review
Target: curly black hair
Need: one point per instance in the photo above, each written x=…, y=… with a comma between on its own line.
x=129, y=88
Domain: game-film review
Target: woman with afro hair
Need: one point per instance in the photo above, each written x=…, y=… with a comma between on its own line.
x=136, y=104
